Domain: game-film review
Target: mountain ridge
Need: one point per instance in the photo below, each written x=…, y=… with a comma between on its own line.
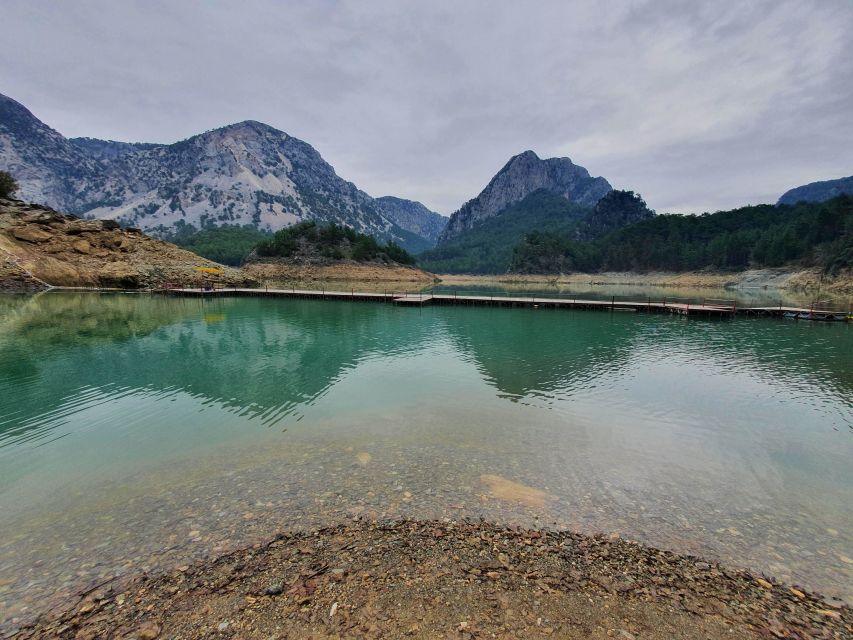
x=820, y=191
x=246, y=172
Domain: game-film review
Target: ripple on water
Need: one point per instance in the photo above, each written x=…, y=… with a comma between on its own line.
x=167, y=436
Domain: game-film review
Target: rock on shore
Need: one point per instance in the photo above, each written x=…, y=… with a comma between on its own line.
x=449, y=580
x=40, y=247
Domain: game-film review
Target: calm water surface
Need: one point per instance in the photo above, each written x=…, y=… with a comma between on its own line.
x=141, y=432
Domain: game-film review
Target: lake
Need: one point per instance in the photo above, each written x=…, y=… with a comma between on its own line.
x=142, y=432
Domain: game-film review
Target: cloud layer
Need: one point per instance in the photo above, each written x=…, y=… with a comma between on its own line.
x=697, y=105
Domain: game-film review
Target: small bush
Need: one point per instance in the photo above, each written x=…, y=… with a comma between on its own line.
x=8, y=184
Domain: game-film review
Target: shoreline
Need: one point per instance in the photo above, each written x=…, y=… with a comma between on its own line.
x=804, y=280
x=453, y=579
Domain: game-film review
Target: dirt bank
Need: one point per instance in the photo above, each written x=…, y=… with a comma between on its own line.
x=448, y=580
x=799, y=280
x=40, y=247
x=305, y=273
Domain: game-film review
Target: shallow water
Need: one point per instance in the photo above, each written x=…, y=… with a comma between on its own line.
x=142, y=432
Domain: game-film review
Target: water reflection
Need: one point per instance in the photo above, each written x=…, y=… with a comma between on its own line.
x=137, y=420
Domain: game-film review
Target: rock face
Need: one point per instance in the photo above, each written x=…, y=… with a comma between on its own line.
x=521, y=176
x=40, y=247
x=47, y=167
x=413, y=216
x=245, y=173
x=818, y=191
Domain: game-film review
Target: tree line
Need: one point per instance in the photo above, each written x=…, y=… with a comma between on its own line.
x=808, y=233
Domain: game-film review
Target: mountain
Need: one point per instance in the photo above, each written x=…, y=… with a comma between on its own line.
x=109, y=149
x=413, y=217
x=488, y=247
x=521, y=176
x=48, y=168
x=245, y=174
x=818, y=191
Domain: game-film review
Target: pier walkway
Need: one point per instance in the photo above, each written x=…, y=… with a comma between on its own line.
x=706, y=308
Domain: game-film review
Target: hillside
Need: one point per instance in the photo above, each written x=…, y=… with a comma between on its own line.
x=242, y=174
x=309, y=252
x=488, y=247
x=425, y=225
x=521, y=176
x=309, y=241
x=228, y=244
x=803, y=235
x=40, y=247
x=818, y=191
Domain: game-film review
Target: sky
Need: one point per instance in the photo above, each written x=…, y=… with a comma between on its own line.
x=696, y=105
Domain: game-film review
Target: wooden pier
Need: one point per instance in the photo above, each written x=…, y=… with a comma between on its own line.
x=706, y=308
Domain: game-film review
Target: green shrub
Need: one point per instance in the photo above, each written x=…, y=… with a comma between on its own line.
x=8, y=184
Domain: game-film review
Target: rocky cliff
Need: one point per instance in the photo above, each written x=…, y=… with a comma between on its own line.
x=40, y=247
x=521, y=176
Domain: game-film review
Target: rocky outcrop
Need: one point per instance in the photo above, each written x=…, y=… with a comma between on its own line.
x=244, y=173
x=521, y=176
x=40, y=247
x=818, y=191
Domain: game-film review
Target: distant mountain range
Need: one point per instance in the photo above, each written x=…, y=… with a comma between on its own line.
x=252, y=174
x=246, y=173
x=818, y=191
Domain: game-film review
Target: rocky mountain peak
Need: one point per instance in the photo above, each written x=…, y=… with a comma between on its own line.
x=243, y=173
x=520, y=176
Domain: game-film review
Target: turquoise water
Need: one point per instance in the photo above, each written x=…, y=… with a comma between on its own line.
x=140, y=432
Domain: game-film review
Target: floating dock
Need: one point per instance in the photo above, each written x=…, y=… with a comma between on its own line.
x=706, y=308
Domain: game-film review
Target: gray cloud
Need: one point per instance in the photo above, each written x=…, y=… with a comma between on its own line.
x=697, y=105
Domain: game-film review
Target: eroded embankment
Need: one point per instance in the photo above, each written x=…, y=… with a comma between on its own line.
x=40, y=247
x=306, y=273
x=450, y=580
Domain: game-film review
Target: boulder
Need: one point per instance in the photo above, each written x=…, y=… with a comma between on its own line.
x=83, y=226
x=82, y=246
x=41, y=217
x=31, y=234
x=110, y=225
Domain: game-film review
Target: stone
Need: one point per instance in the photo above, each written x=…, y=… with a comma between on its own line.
x=40, y=217
x=84, y=226
x=82, y=246
x=31, y=234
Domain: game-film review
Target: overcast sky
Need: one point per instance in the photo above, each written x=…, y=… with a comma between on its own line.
x=696, y=105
